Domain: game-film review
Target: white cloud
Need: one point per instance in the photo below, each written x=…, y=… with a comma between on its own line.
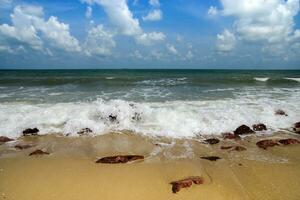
x=263, y=20
x=189, y=55
x=89, y=12
x=212, y=11
x=99, y=42
x=172, y=49
x=226, y=41
x=154, y=2
x=30, y=28
x=123, y=20
x=154, y=15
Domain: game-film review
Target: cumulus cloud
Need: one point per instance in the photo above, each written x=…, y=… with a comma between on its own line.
x=89, y=12
x=154, y=15
x=265, y=20
x=30, y=28
x=99, y=42
x=212, y=11
x=172, y=49
x=226, y=41
x=122, y=18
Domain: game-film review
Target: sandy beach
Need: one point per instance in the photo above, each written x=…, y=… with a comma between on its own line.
x=69, y=172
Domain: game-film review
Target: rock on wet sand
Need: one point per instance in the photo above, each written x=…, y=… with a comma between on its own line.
x=30, y=131
x=243, y=130
x=264, y=144
x=4, y=139
x=211, y=158
x=84, y=131
x=288, y=141
x=297, y=127
x=185, y=183
x=212, y=141
x=38, y=152
x=259, y=127
x=230, y=136
x=119, y=159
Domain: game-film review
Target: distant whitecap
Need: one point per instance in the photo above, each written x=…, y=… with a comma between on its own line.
x=263, y=79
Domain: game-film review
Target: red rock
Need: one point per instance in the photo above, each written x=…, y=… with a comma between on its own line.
x=185, y=183
x=119, y=159
x=211, y=158
x=289, y=141
x=243, y=130
x=212, y=141
x=264, y=144
x=280, y=112
x=259, y=127
x=38, y=152
x=4, y=139
x=30, y=131
x=230, y=136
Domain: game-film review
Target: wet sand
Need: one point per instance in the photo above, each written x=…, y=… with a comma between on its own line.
x=69, y=172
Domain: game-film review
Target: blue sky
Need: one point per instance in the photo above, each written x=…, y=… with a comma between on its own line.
x=260, y=34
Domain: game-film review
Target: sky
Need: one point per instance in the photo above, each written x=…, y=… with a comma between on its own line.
x=198, y=34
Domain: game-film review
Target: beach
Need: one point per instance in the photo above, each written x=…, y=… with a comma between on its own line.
x=149, y=134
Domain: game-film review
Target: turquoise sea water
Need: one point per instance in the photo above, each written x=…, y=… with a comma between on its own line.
x=173, y=103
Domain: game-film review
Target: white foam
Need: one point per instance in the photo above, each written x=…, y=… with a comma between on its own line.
x=262, y=79
x=293, y=79
x=171, y=119
x=109, y=78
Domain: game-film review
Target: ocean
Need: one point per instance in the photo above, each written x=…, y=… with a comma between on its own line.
x=166, y=103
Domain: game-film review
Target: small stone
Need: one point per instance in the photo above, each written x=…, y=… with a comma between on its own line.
x=211, y=158
x=185, y=183
x=112, y=118
x=38, y=152
x=230, y=136
x=30, y=131
x=280, y=112
x=288, y=141
x=264, y=144
x=84, y=131
x=259, y=127
x=119, y=159
x=243, y=130
x=226, y=147
x=212, y=141
x=4, y=139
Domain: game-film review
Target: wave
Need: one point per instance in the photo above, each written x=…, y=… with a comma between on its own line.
x=263, y=79
x=294, y=79
x=109, y=78
x=176, y=119
x=164, y=82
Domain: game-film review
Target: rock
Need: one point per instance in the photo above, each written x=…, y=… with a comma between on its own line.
x=234, y=148
x=226, y=147
x=38, y=152
x=119, y=159
x=264, y=144
x=30, y=131
x=185, y=183
x=243, y=130
x=212, y=141
x=112, y=118
x=23, y=146
x=280, y=112
x=211, y=158
x=259, y=127
x=289, y=141
x=84, y=131
x=230, y=136
x=297, y=127
x=137, y=116
x=4, y=139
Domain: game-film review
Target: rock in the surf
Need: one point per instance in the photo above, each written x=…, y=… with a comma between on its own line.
x=297, y=127
x=259, y=127
x=211, y=158
x=230, y=136
x=212, y=141
x=185, y=183
x=84, y=131
x=30, y=131
x=112, y=118
x=243, y=130
x=288, y=141
x=4, y=139
x=38, y=152
x=264, y=144
x=280, y=112
x=119, y=159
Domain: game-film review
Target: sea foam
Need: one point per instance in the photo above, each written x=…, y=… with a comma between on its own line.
x=263, y=79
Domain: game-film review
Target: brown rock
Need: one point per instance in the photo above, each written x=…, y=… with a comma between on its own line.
x=211, y=158
x=185, y=183
x=23, y=146
x=212, y=141
x=289, y=141
x=30, y=131
x=264, y=144
x=243, y=130
x=84, y=131
x=38, y=152
x=280, y=112
x=230, y=136
x=4, y=139
x=259, y=127
x=112, y=118
x=119, y=159
x=226, y=147
x=297, y=127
